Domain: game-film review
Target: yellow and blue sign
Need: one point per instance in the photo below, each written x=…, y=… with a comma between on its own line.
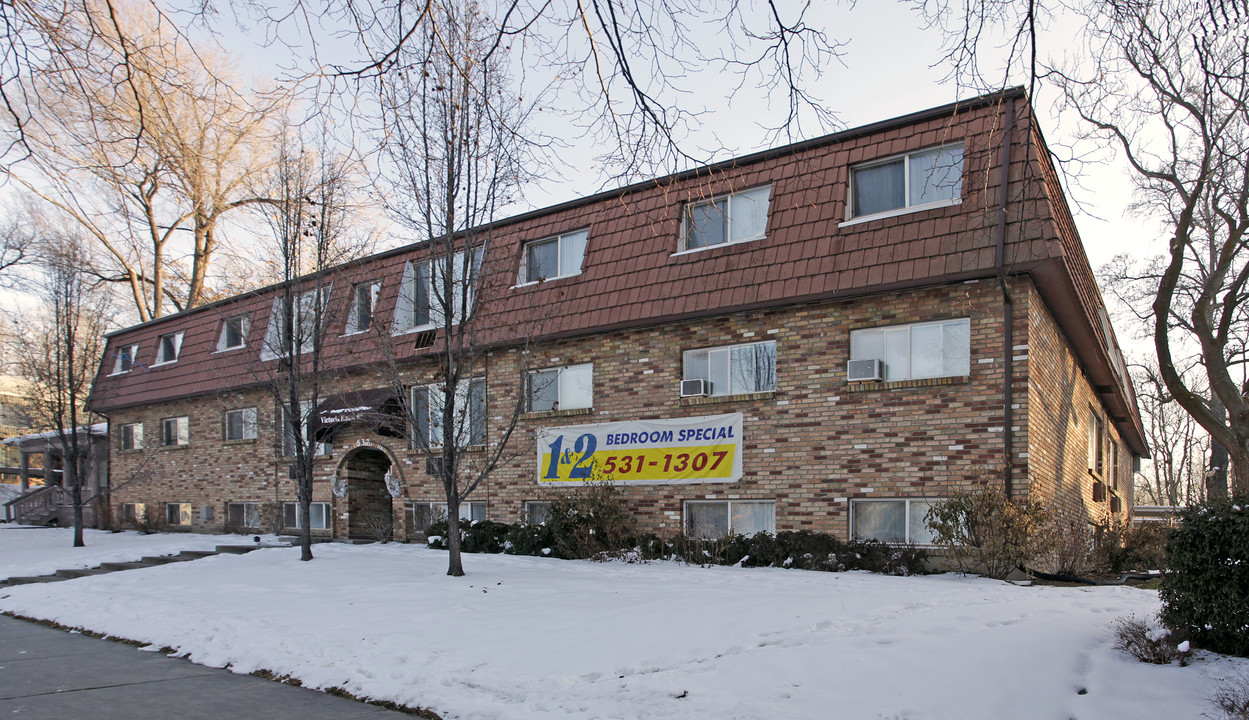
x=705, y=449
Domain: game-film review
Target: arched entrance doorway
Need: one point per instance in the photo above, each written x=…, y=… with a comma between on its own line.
x=369, y=508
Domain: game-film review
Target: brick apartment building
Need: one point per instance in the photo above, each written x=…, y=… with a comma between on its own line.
x=824, y=336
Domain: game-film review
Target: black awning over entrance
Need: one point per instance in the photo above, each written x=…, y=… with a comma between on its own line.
x=375, y=408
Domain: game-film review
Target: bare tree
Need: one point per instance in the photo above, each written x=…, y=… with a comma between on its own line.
x=457, y=150
x=1176, y=474
x=1165, y=84
x=149, y=154
x=62, y=344
x=309, y=224
x=16, y=247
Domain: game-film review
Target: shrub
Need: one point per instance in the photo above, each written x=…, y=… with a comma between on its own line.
x=1232, y=698
x=1073, y=548
x=1121, y=547
x=990, y=533
x=1205, y=590
x=1149, y=642
x=590, y=522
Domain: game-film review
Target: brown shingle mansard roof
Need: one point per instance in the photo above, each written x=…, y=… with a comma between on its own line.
x=632, y=278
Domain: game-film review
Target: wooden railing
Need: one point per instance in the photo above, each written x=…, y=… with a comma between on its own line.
x=35, y=507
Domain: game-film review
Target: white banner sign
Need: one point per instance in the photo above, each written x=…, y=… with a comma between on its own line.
x=706, y=449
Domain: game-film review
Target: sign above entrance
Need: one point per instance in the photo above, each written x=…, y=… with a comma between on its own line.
x=705, y=449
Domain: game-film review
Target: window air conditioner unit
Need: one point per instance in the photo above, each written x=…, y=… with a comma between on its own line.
x=1099, y=491
x=865, y=370
x=1116, y=505
x=695, y=388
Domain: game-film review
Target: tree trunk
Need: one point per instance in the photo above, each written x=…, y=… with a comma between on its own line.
x=1240, y=473
x=305, y=513
x=455, y=568
x=1216, y=477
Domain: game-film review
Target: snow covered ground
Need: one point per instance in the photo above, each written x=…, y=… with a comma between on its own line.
x=39, y=551
x=524, y=637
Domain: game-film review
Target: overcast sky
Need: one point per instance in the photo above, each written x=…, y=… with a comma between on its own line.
x=888, y=71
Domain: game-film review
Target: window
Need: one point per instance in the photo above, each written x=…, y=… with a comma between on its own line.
x=566, y=388
x=891, y=521
x=305, y=430
x=125, y=358
x=734, y=369
x=175, y=431
x=718, y=518
x=233, y=333
x=243, y=515
x=132, y=436
x=363, y=303
x=732, y=218
x=178, y=514
x=423, y=514
x=308, y=318
x=537, y=512
x=318, y=512
x=133, y=513
x=240, y=424
x=1096, y=444
x=927, y=178
x=469, y=413
x=555, y=257
x=922, y=350
x=421, y=300
x=168, y=347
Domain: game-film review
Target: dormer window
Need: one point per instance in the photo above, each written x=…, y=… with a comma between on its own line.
x=233, y=333
x=551, y=258
x=915, y=181
x=168, y=347
x=125, y=359
x=732, y=218
x=363, y=303
x=421, y=296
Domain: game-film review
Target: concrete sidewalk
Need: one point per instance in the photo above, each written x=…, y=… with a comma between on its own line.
x=47, y=673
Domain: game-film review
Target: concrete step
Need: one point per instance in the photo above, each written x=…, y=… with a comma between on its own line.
x=196, y=554
x=81, y=572
x=113, y=566
x=163, y=559
x=236, y=549
x=32, y=580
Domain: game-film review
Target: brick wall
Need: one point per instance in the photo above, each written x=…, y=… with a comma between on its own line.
x=813, y=445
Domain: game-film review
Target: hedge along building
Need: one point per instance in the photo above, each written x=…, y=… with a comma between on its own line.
x=824, y=336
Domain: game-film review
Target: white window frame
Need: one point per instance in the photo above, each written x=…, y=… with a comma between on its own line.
x=760, y=194
x=250, y=511
x=306, y=306
x=564, y=244
x=126, y=359
x=907, y=207
x=565, y=382
x=467, y=510
x=463, y=412
x=133, y=513
x=174, y=345
x=406, y=316
x=288, y=442
x=727, y=350
x=533, y=508
x=247, y=424
x=907, y=518
x=244, y=324
x=135, y=438
x=365, y=292
x=183, y=516
x=314, y=509
x=181, y=434
x=909, y=329
x=1096, y=443
x=728, y=507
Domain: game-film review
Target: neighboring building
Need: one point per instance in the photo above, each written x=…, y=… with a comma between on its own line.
x=743, y=294
x=1157, y=514
x=51, y=504
x=14, y=420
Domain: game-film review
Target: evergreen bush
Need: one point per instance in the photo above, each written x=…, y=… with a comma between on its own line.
x=1205, y=590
